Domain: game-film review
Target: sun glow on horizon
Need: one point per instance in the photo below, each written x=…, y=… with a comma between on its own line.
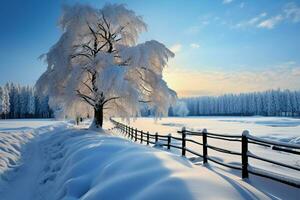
x=212, y=83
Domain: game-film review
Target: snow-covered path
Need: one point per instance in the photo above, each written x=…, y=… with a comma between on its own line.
x=23, y=179
x=24, y=184
x=67, y=163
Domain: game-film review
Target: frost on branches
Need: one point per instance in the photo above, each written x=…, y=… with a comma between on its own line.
x=98, y=62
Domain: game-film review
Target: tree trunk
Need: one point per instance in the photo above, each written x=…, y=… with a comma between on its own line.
x=98, y=116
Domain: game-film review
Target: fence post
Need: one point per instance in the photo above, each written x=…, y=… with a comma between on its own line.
x=142, y=134
x=132, y=130
x=169, y=141
x=156, y=137
x=135, y=135
x=204, y=147
x=183, y=141
x=129, y=132
x=245, y=173
x=148, y=137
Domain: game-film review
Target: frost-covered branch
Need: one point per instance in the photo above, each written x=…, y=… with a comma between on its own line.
x=88, y=99
x=81, y=54
x=110, y=99
x=85, y=83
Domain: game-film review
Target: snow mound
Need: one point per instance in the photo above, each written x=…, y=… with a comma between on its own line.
x=10, y=148
x=13, y=142
x=82, y=164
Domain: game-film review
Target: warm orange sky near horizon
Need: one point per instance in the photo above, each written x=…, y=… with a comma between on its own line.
x=188, y=82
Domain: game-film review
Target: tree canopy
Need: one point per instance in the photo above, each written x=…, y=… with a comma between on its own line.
x=98, y=62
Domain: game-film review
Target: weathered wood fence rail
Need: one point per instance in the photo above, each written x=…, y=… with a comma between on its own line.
x=245, y=139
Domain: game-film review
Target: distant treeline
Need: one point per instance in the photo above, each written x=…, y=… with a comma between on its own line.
x=268, y=103
x=22, y=102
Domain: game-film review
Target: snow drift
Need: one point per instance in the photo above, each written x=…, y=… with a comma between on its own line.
x=81, y=164
x=14, y=134
x=88, y=165
x=10, y=148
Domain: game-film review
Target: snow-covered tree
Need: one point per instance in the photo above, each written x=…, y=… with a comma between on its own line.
x=268, y=103
x=31, y=102
x=21, y=102
x=24, y=93
x=97, y=61
x=1, y=101
x=180, y=109
x=5, y=105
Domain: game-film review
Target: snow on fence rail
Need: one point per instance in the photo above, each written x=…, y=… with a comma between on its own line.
x=245, y=139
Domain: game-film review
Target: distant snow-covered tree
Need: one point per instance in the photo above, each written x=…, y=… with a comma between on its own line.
x=1, y=97
x=97, y=61
x=21, y=102
x=24, y=93
x=31, y=102
x=268, y=103
x=180, y=109
x=5, y=105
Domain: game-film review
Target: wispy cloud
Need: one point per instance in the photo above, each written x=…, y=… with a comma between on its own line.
x=292, y=12
x=201, y=22
x=271, y=22
x=194, y=45
x=176, y=48
x=289, y=13
x=253, y=21
x=227, y=1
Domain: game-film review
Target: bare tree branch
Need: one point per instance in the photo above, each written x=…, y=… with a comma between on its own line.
x=81, y=54
x=88, y=99
x=110, y=99
x=143, y=101
x=106, y=23
x=84, y=83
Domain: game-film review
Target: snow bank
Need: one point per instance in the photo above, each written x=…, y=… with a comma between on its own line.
x=13, y=137
x=10, y=148
x=88, y=165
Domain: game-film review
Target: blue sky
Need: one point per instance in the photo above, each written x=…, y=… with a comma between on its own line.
x=220, y=45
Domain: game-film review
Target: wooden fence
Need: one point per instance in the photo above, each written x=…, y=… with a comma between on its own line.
x=245, y=139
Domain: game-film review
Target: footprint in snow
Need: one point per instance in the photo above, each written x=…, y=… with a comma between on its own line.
x=49, y=178
x=57, y=156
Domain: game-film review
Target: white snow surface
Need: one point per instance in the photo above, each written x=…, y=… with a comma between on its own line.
x=284, y=129
x=13, y=135
x=61, y=161
x=278, y=129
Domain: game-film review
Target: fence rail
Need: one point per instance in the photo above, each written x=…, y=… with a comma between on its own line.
x=245, y=139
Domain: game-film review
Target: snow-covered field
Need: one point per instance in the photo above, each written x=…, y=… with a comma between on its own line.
x=17, y=124
x=55, y=160
x=276, y=128
x=272, y=128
